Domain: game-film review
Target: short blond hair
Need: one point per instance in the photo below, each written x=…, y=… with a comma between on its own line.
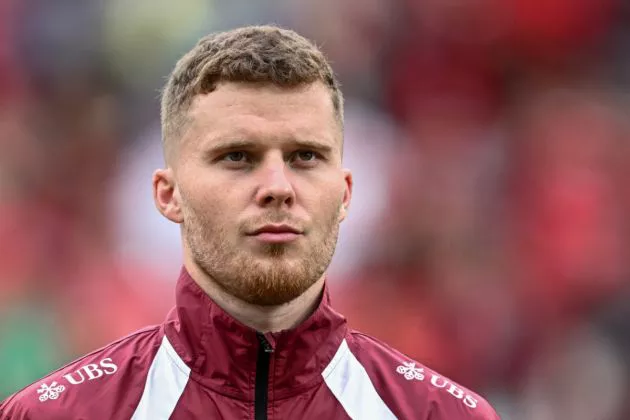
x=256, y=54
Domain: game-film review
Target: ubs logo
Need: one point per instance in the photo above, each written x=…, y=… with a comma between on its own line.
x=410, y=372
x=92, y=371
x=88, y=372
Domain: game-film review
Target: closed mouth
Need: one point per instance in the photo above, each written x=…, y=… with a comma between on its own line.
x=276, y=229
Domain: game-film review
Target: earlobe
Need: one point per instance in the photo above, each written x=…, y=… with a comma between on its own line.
x=343, y=212
x=347, y=195
x=166, y=195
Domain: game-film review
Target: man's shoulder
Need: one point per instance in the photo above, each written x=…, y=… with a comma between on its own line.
x=72, y=388
x=412, y=389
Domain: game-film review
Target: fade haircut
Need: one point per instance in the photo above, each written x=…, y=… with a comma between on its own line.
x=255, y=54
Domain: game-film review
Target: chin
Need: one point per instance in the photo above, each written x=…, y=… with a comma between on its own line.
x=277, y=251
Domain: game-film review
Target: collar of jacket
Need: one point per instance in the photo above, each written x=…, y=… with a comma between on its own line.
x=222, y=352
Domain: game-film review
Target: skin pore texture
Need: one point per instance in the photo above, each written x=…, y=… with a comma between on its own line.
x=258, y=157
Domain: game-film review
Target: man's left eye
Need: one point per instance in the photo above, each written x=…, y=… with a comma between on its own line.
x=306, y=155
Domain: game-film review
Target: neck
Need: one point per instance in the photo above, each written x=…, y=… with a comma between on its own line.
x=261, y=318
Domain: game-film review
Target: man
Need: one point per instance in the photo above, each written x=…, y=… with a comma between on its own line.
x=252, y=124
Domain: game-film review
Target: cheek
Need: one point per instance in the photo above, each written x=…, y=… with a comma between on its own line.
x=326, y=204
x=201, y=200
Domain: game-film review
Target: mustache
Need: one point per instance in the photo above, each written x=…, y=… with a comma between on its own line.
x=273, y=219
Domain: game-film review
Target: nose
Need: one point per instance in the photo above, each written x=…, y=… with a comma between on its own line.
x=275, y=186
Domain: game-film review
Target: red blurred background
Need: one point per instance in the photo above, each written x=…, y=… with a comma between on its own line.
x=488, y=236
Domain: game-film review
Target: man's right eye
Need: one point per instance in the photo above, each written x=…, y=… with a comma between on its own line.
x=235, y=157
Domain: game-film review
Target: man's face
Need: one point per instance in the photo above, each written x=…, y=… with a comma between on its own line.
x=261, y=189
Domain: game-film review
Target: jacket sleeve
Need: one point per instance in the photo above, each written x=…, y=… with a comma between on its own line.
x=486, y=412
x=11, y=409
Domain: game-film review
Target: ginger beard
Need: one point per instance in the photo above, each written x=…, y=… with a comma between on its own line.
x=266, y=275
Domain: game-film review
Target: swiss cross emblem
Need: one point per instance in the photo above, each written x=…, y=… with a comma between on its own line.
x=410, y=371
x=50, y=392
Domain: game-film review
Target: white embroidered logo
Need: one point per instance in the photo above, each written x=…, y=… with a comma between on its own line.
x=410, y=371
x=51, y=391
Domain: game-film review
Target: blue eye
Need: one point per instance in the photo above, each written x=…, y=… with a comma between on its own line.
x=306, y=155
x=235, y=156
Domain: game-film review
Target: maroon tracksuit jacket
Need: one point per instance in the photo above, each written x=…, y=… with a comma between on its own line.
x=203, y=364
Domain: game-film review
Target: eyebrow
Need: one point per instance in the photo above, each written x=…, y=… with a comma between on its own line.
x=314, y=145
x=222, y=145
x=235, y=144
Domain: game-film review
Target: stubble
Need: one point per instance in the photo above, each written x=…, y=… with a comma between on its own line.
x=272, y=275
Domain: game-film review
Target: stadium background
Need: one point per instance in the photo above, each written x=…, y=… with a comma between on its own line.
x=489, y=232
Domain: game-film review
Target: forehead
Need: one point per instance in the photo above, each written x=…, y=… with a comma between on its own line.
x=261, y=111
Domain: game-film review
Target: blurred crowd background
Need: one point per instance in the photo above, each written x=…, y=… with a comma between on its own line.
x=489, y=235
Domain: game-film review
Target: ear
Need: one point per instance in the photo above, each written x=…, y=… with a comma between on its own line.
x=166, y=195
x=347, y=194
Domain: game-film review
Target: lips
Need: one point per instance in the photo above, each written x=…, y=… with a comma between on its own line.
x=276, y=234
x=278, y=229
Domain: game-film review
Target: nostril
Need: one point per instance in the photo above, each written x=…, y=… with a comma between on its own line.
x=270, y=199
x=275, y=196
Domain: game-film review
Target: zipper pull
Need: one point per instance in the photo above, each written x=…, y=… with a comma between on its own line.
x=266, y=345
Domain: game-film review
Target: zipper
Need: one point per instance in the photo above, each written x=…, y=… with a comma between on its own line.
x=262, y=378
